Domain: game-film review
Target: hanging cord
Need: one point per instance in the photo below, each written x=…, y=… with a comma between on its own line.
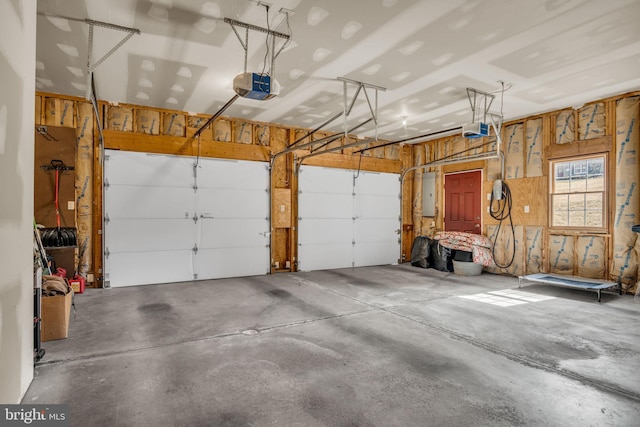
x=501, y=212
x=266, y=42
x=196, y=164
x=288, y=41
x=359, y=166
x=355, y=176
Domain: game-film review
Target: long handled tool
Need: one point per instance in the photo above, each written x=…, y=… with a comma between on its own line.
x=58, y=236
x=43, y=263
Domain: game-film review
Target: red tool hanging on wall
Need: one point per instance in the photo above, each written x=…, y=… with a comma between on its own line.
x=58, y=236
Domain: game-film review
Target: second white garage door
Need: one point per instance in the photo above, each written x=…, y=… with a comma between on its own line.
x=172, y=218
x=347, y=219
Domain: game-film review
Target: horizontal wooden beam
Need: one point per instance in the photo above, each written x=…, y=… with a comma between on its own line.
x=372, y=164
x=181, y=146
x=460, y=167
x=579, y=148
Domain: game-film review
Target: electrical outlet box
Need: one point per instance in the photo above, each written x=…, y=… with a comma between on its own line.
x=526, y=209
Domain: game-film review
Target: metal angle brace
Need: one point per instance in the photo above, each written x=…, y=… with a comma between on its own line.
x=245, y=43
x=92, y=66
x=348, y=106
x=480, y=103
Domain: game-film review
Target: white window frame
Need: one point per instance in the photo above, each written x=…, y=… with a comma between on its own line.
x=571, y=169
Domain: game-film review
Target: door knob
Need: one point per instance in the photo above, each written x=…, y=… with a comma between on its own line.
x=477, y=225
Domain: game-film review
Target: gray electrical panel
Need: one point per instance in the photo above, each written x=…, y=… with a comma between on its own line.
x=429, y=194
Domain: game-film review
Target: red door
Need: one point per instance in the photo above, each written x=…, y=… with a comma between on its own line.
x=463, y=202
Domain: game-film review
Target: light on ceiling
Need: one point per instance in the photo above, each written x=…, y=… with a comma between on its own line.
x=316, y=15
x=159, y=13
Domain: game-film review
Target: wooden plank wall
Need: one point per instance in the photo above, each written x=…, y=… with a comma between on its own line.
x=155, y=130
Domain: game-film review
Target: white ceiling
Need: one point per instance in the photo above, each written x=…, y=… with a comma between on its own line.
x=550, y=54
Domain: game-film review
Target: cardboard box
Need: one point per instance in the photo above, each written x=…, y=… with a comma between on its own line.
x=55, y=317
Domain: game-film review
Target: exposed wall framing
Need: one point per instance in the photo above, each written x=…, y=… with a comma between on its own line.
x=605, y=126
x=156, y=130
x=600, y=126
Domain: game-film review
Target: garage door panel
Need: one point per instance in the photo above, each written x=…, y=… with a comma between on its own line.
x=327, y=203
x=230, y=203
x=325, y=256
x=375, y=253
x=141, y=268
x=376, y=230
x=378, y=206
x=377, y=183
x=232, y=174
x=234, y=233
x=325, y=180
x=147, y=200
x=318, y=205
x=155, y=170
x=150, y=202
x=231, y=262
x=137, y=235
x=313, y=231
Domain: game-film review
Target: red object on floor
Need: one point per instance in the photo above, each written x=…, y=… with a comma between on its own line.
x=78, y=283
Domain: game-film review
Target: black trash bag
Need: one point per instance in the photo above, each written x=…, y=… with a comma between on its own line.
x=441, y=257
x=420, y=252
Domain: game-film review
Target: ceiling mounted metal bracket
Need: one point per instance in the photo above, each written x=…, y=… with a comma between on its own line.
x=348, y=106
x=92, y=66
x=245, y=43
x=480, y=103
x=267, y=31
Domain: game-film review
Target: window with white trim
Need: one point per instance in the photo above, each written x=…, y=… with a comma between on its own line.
x=578, y=196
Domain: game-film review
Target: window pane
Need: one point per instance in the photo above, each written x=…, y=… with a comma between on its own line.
x=594, y=201
x=560, y=208
x=594, y=218
x=595, y=166
x=578, y=183
x=560, y=218
x=561, y=178
x=577, y=192
x=595, y=183
x=595, y=210
x=561, y=202
x=577, y=210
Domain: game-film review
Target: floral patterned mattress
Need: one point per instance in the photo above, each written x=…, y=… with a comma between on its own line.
x=478, y=245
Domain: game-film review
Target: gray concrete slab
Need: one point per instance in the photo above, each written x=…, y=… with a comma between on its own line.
x=379, y=346
x=123, y=319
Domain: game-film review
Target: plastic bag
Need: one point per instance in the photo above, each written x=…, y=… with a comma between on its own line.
x=441, y=257
x=420, y=251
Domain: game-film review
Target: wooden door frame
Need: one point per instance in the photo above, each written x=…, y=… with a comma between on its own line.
x=444, y=195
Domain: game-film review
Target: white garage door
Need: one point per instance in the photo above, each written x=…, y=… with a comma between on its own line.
x=168, y=221
x=347, y=219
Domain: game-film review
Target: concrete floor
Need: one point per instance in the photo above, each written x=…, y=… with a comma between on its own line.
x=376, y=346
